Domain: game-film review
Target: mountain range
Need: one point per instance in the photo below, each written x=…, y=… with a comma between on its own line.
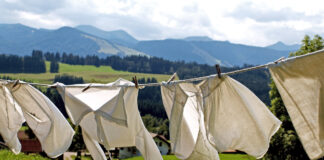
x=84, y=40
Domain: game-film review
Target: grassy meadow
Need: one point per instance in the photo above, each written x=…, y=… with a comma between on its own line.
x=221, y=156
x=8, y=155
x=173, y=157
x=102, y=74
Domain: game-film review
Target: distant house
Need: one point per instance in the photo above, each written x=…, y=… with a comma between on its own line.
x=161, y=142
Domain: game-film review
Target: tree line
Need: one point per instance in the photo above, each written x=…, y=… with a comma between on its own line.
x=27, y=64
x=256, y=80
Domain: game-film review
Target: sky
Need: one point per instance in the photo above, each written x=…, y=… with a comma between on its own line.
x=251, y=22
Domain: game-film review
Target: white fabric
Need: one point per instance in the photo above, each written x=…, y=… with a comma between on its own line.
x=301, y=85
x=182, y=103
x=109, y=116
x=236, y=119
x=93, y=146
x=11, y=119
x=42, y=116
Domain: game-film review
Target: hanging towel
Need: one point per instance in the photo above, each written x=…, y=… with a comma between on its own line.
x=109, y=116
x=11, y=119
x=300, y=83
x=235, y=118
x=46, y=121
x=182, y=103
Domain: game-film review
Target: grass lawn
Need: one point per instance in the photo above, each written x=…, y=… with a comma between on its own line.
x=8, y=155
x=102, y=74
x=222, y=157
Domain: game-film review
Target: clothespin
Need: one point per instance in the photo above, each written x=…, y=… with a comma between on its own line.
x=52, y=86
x=172, y=77
x=135, y=81
x=278, y=60
x=86, y=88
x=219, y=72
x=15, y=84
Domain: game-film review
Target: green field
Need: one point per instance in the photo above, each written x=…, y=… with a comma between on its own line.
x=8, y=155
x=102, y=74
x=221, y=156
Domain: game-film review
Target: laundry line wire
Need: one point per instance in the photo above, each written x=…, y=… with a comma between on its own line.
x=150, y=84
x=282, y=59
x=147, y=84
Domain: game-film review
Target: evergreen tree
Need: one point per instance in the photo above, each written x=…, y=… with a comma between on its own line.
x=285, y=144
x=54, y=67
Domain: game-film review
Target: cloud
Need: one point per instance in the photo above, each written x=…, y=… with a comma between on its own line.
x=35, y=6
x=250, y=22
x=264, y=14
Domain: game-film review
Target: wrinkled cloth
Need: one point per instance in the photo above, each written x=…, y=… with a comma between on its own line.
x=108, y=116
x=43, y=117
x=182, y=104
x=300, y=83
x=235, y=118
x=11, y=119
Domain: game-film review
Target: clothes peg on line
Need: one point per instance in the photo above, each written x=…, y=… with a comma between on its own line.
x=15, y=84
x=86, y=88
x=219, y=72
x=172, y=77
x=278, y=60
x=135, y=81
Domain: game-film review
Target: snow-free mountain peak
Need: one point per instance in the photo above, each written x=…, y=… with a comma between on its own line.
x=280, y=46
x=198, y=38
x=117, y=36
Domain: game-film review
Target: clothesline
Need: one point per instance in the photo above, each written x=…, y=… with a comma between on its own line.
x=155, y=84
x=282, y=59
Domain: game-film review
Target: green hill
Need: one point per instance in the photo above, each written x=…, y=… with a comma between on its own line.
x=102, y=74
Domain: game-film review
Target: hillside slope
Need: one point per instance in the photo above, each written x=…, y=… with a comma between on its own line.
x=280, y=46
x=117, y=36
x=210, y=52
x=21, y=40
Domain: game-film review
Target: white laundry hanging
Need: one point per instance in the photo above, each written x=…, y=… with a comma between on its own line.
x=42, y=116
x=182, y=103
x=11, y=119
x=300, y=83
x=235, y=118
x=108, y=116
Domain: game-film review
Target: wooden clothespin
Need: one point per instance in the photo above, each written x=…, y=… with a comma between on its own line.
x=278, y=60
x=135, y=81
x=172, y=77
x=52, y=86
x=219, y=72
x=86, y=88
x=15, y=84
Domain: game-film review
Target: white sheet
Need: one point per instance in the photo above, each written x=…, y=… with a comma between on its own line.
x=301, y=85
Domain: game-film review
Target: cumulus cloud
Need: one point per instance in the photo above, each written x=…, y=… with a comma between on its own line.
x=249, y=22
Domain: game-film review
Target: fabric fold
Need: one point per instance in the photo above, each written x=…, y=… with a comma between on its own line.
x=93, y=147
x=44, y=118
x=300, y=83
x=11, y=119
x=235, y=118
x=188, y=135
x=109, y=116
